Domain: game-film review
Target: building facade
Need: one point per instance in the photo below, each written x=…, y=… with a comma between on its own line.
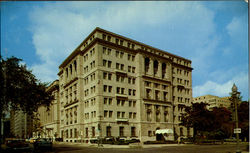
x=111, y=85
x=213, y=101
x=49, y=120
x=20, y=124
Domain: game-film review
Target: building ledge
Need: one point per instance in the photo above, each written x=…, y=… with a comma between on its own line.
x=121, y=96
x=122, y=119
x=156, y=101
x=121, y=72
x=66, y=105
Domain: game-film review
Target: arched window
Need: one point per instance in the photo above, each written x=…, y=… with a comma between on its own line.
x=147, y=64
x=163, y=69
x=155, y=67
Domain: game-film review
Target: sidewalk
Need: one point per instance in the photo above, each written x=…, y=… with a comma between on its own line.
x=134, y=145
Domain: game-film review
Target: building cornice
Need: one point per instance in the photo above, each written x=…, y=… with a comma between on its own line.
x=53, y=86
x=97, y=29
x=139, y=43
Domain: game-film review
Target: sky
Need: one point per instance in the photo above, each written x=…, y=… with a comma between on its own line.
x=213, y=34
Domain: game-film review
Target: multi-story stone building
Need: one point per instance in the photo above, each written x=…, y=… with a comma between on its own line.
x=20, y=124
x=213, y=101
x=49, y=119
x=111, y=85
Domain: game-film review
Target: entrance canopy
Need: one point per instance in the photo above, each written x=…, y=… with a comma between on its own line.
x=163, y=131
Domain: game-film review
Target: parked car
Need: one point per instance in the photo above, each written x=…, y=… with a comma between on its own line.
x=42, y=144
x=32, y=140
x=16, y=145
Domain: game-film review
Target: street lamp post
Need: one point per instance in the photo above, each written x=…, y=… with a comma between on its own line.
x=235, y=95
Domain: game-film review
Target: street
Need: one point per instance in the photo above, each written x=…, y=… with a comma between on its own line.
x=228, y=148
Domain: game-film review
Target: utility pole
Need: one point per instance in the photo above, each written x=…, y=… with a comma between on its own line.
x=235, y=95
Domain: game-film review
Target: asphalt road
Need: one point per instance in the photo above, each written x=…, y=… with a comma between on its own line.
x=166, y=149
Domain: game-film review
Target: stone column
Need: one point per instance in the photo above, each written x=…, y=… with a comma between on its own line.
x=159, y=72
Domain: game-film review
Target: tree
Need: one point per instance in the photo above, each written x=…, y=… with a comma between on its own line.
x=215, y=124
x=222, y=123
x=21, y=90
x=243, y=115
x=198, y=117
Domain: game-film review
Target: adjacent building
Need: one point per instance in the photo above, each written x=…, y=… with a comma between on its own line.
x=20, y=124
x=49, y=119
x=111, y=85
x=213, y=101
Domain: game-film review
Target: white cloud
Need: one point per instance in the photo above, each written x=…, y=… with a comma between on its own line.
x=238, y=30
x=59, y=28
x=223, y=89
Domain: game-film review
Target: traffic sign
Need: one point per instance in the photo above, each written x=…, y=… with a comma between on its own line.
x=238, y=130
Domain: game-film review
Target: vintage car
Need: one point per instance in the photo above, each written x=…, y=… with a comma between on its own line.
x=13, y=144
x=42, y=144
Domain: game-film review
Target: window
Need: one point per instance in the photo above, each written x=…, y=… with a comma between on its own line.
x=133, y=69
x=110, y=114
x=108, y=131
x=71, y=133
x=132, y=131
x=134, y=103
x=122, y=102
x=129, y=91
x=105, y=101
x=130, y=114
x=157, y=94
x=133, y=81
x=165, y=96
x=104, y=75
x=129, y=80
x=103, y=36
x=148, y=93
x=110, y=101
x=109, y=76
x=129, y=68
x=121, y=54
x=118, y=114
x=134, y=115
x=128, y=45
x=109, y=64
x=104, y=62
x=109, y=38
x=129, y=56
x=105, y=113
x=133, y=58
x=121, y=131
x=105, y=88
x=147, y=62
x=110, y=88
x=93, y=131
x=150, y=133
x=130, y=103
x=134, y=92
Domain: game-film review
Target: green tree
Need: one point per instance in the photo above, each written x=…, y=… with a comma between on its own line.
x=21, y=90
x=215, y=124
x=198, y=117
x=243, y=116
x=222, y=123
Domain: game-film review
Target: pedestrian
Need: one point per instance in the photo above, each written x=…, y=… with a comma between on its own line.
x=179, y=140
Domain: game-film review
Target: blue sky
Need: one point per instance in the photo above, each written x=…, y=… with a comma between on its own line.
x=213, y=34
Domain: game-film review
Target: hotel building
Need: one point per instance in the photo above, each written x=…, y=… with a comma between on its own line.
x=111, y=85
x=213, y=101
